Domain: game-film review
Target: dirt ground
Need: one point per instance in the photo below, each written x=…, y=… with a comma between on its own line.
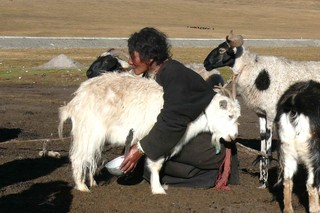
x=29, y=112
x=30, y=183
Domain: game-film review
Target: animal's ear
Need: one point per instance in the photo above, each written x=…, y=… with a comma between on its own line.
x=223, y=104
x=123, y=63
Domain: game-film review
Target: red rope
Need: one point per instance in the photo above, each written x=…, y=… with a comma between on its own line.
x=224, y=172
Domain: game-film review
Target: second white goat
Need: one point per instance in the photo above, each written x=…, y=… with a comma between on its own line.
x=106, y=108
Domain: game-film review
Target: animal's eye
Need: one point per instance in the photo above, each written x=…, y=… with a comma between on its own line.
x=231, y=116
x=222, y=50
x=293, y=114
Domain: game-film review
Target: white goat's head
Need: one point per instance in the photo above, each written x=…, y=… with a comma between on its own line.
x=223, y=113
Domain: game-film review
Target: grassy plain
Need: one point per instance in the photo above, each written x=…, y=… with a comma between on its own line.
x=17, y=66
x=120, y=18
x=178, y=18
x=30, y=98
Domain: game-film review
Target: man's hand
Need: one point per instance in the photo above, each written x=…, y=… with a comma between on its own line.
x=131, y=159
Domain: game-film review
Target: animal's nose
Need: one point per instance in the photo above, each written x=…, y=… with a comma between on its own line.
x=231, y=137
x=206, y=65
x=234, y=136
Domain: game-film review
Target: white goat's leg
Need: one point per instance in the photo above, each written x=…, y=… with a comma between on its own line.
x=78, y=168
x=79, y=178
x=287, y=195
x=268, y=150
x=92, y=182
x=84, y=154
x=216, y=142
x=314, y=206
x=290, y=166
x=154, y=167
x=266, y=140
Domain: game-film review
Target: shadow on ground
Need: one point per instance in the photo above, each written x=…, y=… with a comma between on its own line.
x=42, y=197
x=28, y=169
x=9, y=134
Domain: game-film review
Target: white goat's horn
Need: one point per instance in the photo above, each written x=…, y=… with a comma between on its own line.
x=117, y=52
x=224, y=91
x=234, y=40
x=234, y=88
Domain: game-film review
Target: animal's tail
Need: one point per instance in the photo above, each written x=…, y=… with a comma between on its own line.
x=64, y=114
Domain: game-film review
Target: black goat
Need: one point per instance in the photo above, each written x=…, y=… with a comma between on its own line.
x=298, y=122
x=107, y=62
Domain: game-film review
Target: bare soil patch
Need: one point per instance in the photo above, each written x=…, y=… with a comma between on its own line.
x=29, y=105
x=30, y=183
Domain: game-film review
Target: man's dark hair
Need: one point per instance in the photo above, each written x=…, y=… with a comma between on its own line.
x=150, y=44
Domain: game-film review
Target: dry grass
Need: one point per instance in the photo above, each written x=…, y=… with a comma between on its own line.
x=19, y=63
x=252, y=18
x=119, y=18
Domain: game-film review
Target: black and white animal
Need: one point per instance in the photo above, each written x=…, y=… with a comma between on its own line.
x=298, y=122
x=261, y=80
x=105, y=109
x=111, y=62
x=108, y=62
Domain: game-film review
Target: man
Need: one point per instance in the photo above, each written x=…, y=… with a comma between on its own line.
x=186, y=95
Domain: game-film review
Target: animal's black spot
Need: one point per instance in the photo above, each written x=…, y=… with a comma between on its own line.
x=262, y=82
x=265, y=135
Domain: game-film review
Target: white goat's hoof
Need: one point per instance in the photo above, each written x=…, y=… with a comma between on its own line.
x=288, y=210
x=166, y=187
x=314, y=210
x=93, y=183
x=263, y=186
x=82, y=188
x=159, y=191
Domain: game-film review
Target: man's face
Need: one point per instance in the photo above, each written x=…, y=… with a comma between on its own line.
x=137, y=65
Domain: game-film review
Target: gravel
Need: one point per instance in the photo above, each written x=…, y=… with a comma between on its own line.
x=20, y=42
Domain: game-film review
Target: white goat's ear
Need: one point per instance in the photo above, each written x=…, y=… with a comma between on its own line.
x=223, y=104
x=105, y=54
x=123, y=63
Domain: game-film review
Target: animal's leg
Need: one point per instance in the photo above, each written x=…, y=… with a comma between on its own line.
x=79, y=154
x=266, y=139
x=155, y=167
x=216, y=142
x=85, y=152
x=92, y=182
x=78, y=168
x=314, y=206
x=79, y=177
x=290, y=166
x=287, y=195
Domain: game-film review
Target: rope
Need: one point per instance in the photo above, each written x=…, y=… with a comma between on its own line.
x=224, y=172
x=35, y=140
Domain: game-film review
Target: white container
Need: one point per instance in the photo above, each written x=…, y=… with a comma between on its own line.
x=113, y=166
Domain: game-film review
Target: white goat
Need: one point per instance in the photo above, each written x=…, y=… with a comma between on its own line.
x=107, y=107
x=261, y=80
x=298, y=119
